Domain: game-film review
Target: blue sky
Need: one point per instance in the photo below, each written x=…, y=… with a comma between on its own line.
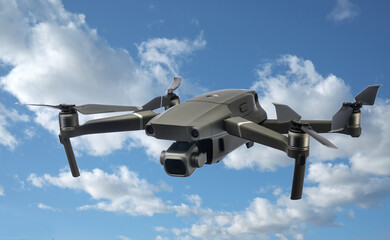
x=311, y=55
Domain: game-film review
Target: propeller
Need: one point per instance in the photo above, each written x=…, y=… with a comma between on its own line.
x=174, y=84
x=167, y=100
x=365, y=97
x=89, y=108
x=286, y=114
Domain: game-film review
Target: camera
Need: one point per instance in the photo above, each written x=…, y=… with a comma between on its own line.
x=182, y=159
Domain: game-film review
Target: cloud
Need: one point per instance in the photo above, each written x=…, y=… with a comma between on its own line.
x=191, y=210
x=336, y=188
x=343, y=10
x=7, y=118
x=122, y=191
x=339, y=184
x=2, y=191
x=47, y=207
x=161, y=238
x=123, y=237
x=163, y=52
x=258, y=157
x=293, y=81
x=372, y=154
x=55, y=57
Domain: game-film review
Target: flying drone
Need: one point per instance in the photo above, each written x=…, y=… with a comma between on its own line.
x=208, y=127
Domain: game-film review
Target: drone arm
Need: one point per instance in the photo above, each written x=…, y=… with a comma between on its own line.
x=320, y=126
x=128, y=122
x=275, y=126
x=241, y=127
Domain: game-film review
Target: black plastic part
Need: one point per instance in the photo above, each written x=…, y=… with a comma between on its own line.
x=206, y=146
x=285, y=114
x=368, y=95
x=195, y=133
x=298, y=178
x=340, y=119
x=149, y=129
x=70, y=155
x=249, y=144
x=221, y=145
x=318, y=137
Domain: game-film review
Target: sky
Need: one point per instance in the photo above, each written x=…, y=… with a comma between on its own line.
x=311, y=55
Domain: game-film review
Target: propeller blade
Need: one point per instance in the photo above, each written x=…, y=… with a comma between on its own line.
x=285, y=114
x=156, y=102
x=40, y=105
x=100, y=108
x=298, y=177
x=318, y=137
x=341, y=118
x=89, y=108
x=174, y=85
x=368, y=95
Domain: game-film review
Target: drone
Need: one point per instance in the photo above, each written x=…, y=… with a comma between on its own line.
x=208, y=127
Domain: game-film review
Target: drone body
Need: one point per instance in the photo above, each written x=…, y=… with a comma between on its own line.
x=198, y=128
x=208, y=127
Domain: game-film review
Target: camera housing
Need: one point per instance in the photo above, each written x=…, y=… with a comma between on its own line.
x=182, y=159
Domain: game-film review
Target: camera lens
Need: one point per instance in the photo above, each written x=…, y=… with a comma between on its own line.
x=195, y=133
x=149, y=129
x=174, y=166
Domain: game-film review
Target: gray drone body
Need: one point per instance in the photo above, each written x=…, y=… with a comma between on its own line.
x=208, y=127
x=198, y=124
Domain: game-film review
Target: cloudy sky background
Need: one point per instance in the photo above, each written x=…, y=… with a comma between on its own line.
x=311, y=56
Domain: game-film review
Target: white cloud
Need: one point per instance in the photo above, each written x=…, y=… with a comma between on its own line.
x=7, y=118
x=336, y=187
x=123, y=237
x=293, y=81
x=343, y=10
x=2, y=191
x=152, y=146
x=161, y=238
x=191, y=210
x=340, y=185
x=372, y=153
x=57, y=58
x=257, y=157
x=159, y=52
x=122, y=191
x=29, y=132
x=47, y=207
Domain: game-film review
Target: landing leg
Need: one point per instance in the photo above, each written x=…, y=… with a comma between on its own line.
x=298, y=178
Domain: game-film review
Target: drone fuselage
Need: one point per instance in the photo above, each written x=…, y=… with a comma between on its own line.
x=202, y=117
x=197, y=125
